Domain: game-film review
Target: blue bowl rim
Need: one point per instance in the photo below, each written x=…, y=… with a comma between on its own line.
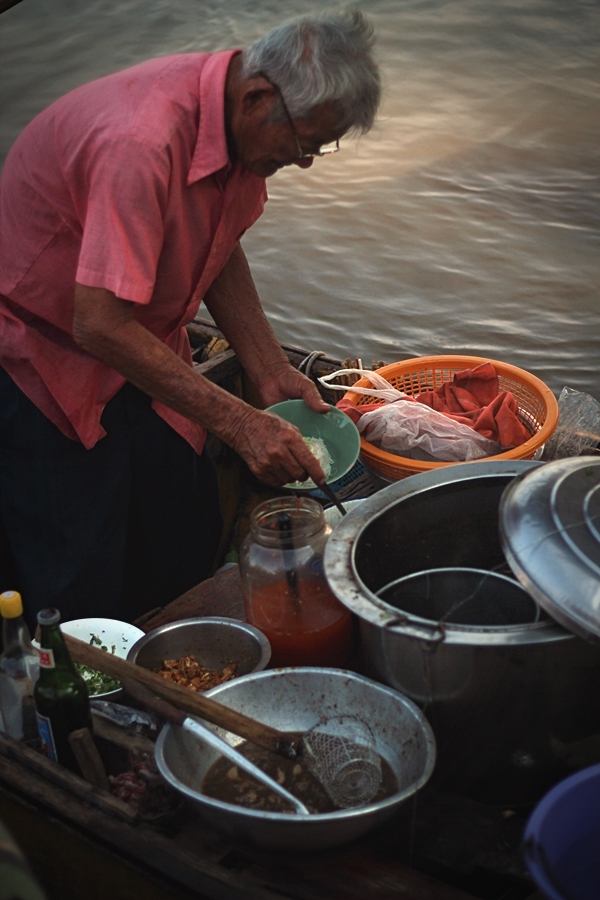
x=538, y=862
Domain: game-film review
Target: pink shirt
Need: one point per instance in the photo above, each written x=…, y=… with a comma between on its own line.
x=126, y=184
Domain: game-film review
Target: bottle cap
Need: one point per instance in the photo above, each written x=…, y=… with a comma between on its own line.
x=48, y=616
x=11, y=605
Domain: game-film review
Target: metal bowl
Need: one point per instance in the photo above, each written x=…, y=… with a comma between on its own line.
x=215, y=641
x=297, y=699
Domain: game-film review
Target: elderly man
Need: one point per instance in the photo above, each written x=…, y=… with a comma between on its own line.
x=122, y=206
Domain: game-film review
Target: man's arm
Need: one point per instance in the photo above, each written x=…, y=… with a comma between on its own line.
x=234, y=304
x=105, y=326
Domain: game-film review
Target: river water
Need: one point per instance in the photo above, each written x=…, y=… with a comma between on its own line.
x=466, y=221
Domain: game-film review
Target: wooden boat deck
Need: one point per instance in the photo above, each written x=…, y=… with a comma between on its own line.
x=83, y=842
x=77, y=838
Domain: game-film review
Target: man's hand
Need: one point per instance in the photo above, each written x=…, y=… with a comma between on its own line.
x=283, y=382
x=274, y=450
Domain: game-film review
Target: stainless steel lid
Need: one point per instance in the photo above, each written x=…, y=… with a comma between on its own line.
x=550, y=533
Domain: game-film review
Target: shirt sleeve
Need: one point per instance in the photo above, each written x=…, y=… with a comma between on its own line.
x=123, y=227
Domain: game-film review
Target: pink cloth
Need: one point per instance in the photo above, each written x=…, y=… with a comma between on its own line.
x=474, y=398
x=126, y=184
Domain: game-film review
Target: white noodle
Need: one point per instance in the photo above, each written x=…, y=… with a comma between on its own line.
x=318, y=448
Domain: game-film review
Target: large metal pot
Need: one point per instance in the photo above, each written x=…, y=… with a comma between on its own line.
x=511, y=704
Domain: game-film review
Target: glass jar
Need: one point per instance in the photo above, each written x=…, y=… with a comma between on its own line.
x=286, y=594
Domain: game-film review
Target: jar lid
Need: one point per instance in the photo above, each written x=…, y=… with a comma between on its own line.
x=550, y=533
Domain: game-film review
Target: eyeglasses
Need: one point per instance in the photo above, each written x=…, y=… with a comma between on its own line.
x=324, y=150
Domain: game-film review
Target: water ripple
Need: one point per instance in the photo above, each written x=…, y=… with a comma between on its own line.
x=468, y=221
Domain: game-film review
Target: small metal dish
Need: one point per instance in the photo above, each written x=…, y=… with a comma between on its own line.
x=215, y=641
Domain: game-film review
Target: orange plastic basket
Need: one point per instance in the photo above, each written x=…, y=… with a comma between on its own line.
x=538, y=408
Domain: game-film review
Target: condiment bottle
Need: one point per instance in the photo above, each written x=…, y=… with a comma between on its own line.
x=286, y=594
x=19, y=669
x=61, y=696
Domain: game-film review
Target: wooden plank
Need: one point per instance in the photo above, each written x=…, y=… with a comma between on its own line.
x=88, y=758
x=121, y=737
x=36, y=763
x=201, y=332
x=220, y=367
x=356, y=873
x=217, y=596
x=71, y=865
x=139, y=848
x=7, y=4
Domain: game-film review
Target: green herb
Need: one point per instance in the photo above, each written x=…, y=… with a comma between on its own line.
x=97, y=682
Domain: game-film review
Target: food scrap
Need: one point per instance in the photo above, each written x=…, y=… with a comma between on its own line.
x=97, y=682
x=230, y=784
x=188, y=672
x=143, y=787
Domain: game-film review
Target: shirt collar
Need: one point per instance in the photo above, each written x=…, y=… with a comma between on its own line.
x=211, y=152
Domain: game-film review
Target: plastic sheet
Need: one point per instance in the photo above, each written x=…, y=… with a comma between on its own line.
x=419, y=432
x=578, y=429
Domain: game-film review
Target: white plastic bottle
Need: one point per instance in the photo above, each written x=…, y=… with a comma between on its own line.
x=19, y=670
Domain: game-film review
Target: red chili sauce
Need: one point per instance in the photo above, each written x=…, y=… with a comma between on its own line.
x=306, y=626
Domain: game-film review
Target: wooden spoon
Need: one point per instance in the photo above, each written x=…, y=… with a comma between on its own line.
x=286, y=743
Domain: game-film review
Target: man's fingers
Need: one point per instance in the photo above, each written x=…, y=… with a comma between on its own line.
x=311, y=465
x=276, y=452
x=312, y=398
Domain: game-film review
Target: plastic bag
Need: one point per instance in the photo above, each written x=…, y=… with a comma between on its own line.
x=383, y=390
x=408, y=428
x=420, y=432
x=578, y=429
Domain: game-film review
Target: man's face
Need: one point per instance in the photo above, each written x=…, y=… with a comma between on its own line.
x=264, y=146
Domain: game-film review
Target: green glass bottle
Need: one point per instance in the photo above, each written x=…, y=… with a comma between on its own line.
x=61, y=696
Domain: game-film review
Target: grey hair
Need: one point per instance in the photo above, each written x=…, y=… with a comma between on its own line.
x=325, y=58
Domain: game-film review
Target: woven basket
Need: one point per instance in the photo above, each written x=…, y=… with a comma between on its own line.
x=538, y=408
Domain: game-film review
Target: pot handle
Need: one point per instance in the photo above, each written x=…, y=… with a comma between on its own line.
x=419, y=629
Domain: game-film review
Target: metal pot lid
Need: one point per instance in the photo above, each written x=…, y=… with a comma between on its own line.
x=550, y=533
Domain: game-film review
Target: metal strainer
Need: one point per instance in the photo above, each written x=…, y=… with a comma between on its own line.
x=341, y=754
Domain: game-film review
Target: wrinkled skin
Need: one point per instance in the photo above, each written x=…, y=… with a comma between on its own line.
x=273, y=449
